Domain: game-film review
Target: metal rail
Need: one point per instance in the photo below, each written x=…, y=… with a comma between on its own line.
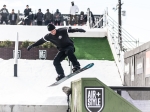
x=126, y=88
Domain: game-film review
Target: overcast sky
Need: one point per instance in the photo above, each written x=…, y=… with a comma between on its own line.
x=63, y=6
x=136, y=20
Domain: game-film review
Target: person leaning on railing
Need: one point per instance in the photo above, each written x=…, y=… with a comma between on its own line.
x=91, y=16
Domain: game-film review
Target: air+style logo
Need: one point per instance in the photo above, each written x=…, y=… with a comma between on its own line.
x=94, y=99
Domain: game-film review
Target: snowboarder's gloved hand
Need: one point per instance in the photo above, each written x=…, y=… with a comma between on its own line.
x=81, y=30
x=29, y=47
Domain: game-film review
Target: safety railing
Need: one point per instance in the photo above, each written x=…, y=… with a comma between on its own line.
x=98, y=21
x=128, y=42
x=119, y=89
x=120, y=41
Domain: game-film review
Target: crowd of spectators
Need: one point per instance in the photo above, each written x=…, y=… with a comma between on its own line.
x=41, y=18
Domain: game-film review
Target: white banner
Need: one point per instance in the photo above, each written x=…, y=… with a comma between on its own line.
x=147, y=64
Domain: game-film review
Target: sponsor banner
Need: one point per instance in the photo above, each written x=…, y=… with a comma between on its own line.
x=132, y=68
x=126, y=68
x=147, y=64
x=42, y=54
x=94, y=99
x=139, y=66
x=19, y=54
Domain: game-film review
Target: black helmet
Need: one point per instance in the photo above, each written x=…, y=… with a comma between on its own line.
x=50, y=27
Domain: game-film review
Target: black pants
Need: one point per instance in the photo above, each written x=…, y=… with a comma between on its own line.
x=75, y=18
x=39, y=23
x=57, y=23
x=61, y=55
x=27, y=22
x=47, y=22
x=12, y=22
x=4, y=19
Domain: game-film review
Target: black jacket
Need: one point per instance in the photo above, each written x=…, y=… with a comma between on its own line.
x=57, y=16
x=92, y=16
x=27, y=12
x=48, y=16
x=15, y=17
x=61, y=39
x=31, y=16
x=39, y=16
x=4, y=12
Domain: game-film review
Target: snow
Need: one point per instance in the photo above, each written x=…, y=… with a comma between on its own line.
x=34, y=77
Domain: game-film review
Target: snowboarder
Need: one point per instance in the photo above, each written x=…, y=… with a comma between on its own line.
x=65, y=47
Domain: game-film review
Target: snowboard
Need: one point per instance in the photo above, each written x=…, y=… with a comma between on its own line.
x=72, y=74
x=22, y=20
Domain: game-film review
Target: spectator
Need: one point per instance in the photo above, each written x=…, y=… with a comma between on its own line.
x=27, y=12
x=39, y=17
x=91, y=17
x=81, y=18
x=31, y=16
x=13, y=18
x=4, y=14
x=73, y=11
x=48, y=17
x=57, y=18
